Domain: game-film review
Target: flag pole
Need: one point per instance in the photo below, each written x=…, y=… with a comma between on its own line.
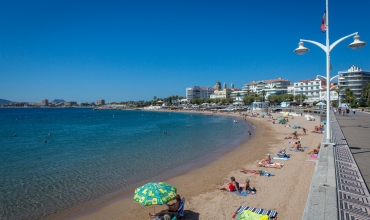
x=328, y=127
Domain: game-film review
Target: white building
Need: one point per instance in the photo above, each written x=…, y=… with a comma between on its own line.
x=354, y=78
x=333, y=93
x=271, y=86
x=197, y=92
x=311, y=88
x=221, y=94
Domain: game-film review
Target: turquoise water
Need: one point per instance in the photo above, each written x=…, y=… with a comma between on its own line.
x=91, y=155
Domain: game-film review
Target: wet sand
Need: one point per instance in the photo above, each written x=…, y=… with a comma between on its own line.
x=286, y=192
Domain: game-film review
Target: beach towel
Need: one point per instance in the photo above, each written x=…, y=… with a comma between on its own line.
x=240, y=193
x=293, y=149
x=270, y=213
x=271, y=165
x=280, y=158
x=265, y=173
x=314, y=155
x=249, y=215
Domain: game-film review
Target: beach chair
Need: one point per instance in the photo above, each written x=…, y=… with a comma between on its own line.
x=179, y=214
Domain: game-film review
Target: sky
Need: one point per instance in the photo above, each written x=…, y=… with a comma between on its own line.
x=84, y=50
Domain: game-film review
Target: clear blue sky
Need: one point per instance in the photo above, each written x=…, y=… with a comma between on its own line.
x=133, y=50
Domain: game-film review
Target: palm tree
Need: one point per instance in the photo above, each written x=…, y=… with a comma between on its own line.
x=338, y=90
x=349, y=95
x=263, y=95
x=366, y=92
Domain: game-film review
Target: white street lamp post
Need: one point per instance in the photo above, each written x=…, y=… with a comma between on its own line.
x=356, y=44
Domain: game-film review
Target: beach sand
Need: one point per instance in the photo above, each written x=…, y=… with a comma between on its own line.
x=286, y=192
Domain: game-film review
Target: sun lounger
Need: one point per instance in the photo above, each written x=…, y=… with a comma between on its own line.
x=271, y=213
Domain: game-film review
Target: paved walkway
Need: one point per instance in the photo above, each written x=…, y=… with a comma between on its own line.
x=356, y=129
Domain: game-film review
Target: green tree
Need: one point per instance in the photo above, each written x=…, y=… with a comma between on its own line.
x=366, y=92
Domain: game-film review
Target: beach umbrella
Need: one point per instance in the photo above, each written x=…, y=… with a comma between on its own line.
x=286, y=114
x=281, y=120
x=157, y=193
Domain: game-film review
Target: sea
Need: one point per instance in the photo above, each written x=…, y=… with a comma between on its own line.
x=61, y=160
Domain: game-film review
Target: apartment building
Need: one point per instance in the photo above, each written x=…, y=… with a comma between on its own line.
x=354, y=78
x=100, y=102
x=311, y=88
x=44, y=102
x=271, y=87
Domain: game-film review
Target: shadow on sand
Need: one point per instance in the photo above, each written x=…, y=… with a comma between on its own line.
x=188, y=214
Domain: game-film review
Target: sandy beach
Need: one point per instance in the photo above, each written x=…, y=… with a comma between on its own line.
x=286, y=192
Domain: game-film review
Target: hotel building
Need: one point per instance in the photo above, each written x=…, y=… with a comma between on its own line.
x=197, y=92
x=355, y=79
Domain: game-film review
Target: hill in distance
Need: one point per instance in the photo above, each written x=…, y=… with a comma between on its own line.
x=58, y=100
x=4, y=101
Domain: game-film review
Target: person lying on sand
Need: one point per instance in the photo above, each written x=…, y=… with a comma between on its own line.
x=287, y=138
x=272, y=165
x=232, y=186
x=171, y=208
x=315, y=151
x=246, y=171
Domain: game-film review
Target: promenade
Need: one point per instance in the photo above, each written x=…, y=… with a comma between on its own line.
x=339, y=188
x=356, y=129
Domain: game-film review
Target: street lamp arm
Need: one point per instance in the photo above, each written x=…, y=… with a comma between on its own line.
x=320, y=76
x=340, y=40
x=316, y=43
x=333, y=77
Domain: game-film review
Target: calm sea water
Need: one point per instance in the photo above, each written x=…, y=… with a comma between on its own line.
x=92, y=154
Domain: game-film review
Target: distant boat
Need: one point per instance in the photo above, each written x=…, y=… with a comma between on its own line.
x=208, y=114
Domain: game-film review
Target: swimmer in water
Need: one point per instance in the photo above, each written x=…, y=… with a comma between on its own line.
x=49, y=134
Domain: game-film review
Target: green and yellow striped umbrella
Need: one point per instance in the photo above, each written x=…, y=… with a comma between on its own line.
x=158, y=193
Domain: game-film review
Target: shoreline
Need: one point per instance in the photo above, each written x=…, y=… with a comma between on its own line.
x=198, y=185
x=178, y=171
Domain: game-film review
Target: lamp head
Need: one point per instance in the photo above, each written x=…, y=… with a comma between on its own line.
x=301, y=49
x=357, y=43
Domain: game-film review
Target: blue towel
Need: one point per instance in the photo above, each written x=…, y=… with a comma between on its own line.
x=240, y=193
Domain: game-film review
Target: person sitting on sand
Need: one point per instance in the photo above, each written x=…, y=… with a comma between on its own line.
x=244, y=186
x=232, y=186
x=171, y=208
x=296, y=146
x=267, y=160
x=315, y=151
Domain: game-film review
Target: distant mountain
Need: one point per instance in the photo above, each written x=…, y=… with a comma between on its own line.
x=58, y=100
x=4, y=101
